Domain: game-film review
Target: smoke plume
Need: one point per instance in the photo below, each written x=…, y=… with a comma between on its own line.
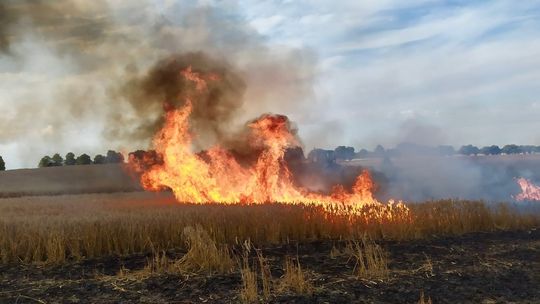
x=73, y=69
x=164, y=84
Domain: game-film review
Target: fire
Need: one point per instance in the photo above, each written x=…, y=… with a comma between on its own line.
x=529, y=191
x=218, y=177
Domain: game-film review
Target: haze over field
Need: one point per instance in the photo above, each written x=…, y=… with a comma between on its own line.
x=354, y=73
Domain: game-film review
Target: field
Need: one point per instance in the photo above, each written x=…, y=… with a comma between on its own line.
x=66, y=180
x=131, y=246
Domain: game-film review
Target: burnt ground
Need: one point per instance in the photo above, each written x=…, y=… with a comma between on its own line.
x=499, y=267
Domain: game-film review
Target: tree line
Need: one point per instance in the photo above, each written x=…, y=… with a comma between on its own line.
x=315, y=155
x=409, y=149
x=112, y=157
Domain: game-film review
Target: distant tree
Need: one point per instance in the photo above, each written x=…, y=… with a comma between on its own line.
x=445, y=150
x=2, y=164
x=83, y=160
x=491, y=150
x=345, y=153
x=322, y=156
x=363, y=153
x=46, y=161
x=469, y=150
x=511, y=149
x=99, y=159
x=528, y=149
x=114, y=157
x=379, y=150
x=57, y=160
x=70, y=159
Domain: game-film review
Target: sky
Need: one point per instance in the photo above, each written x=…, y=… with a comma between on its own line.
x=381, y=72
x=434, y=72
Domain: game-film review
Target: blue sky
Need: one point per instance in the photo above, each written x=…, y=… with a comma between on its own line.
x=454, y=71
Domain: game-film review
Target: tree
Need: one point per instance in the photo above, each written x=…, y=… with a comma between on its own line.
x=70, y=159
x=322, y=156
x=46, y=161
x=511, y=149
x=83, y=160
x=99, y=159
x=114, y=157
x=469, y=150
x=379, y=150
x=363, y=153
x=2, y=164
x=346, y=153
x=527, y=149
x=57, y=160
x=491, y=150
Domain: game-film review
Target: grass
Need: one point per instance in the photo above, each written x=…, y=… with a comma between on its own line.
x=294, y=278
x=249, y=291
x=423, y=300
x=258, y=274
x=371, y=261
x=204, y=255
x=56, y=229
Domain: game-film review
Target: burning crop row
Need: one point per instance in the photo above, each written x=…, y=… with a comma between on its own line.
x=217, y=176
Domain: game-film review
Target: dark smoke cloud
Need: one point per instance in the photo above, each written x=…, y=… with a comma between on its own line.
x=5, y=23
x=107, y=67
x=67, y=25
x=164, y=85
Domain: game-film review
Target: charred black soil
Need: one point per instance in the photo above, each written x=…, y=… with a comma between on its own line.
x=499, y=267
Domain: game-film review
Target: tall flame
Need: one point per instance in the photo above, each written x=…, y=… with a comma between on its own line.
x=529, y=191
x=218, y=177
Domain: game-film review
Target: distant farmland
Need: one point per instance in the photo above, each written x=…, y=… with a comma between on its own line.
x=67, y=180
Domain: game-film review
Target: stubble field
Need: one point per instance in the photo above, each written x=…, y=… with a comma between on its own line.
x=145, y=247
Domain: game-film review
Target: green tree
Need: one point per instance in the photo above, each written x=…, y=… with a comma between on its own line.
x=511, y=149
x=469, y=150
x=114, y=157
x=57, y=160
x=491, y=150
x=83, y=160
x=46, y=161
x=99, y=159
x=2, y=164
x=70, y=159
x=363, y=153
x=345, y=153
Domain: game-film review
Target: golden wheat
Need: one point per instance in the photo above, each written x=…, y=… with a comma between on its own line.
x=294, y=278
x=371, y=261
x=74, y=227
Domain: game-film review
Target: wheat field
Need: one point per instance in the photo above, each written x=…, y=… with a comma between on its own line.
x=56, y=229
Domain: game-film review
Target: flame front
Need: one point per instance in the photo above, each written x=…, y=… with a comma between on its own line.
x=218, y=177
x=529, y=191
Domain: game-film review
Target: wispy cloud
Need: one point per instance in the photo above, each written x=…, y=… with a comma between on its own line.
x=468, y=67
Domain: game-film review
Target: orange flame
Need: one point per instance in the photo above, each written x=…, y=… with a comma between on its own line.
x=529, y=191
x=220, y=178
